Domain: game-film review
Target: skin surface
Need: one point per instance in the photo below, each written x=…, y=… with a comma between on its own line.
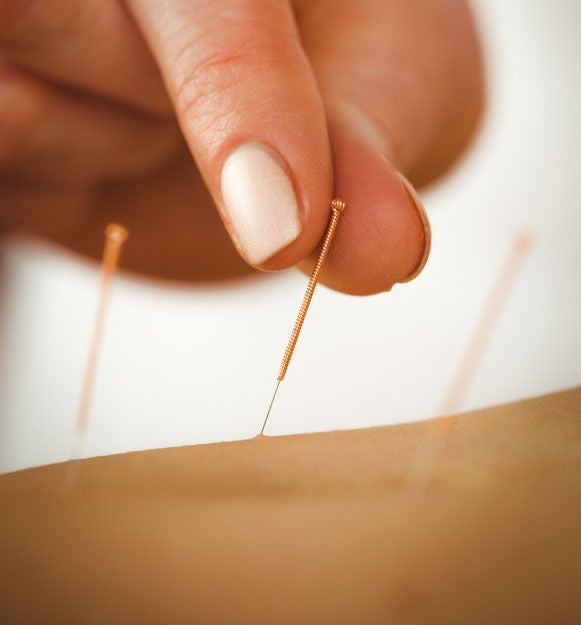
x=319, y=528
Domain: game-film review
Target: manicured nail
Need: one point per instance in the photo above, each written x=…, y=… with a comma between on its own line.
x=415, y=198
x=260, y=202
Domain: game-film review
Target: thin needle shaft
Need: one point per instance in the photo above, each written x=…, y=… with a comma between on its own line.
x=115, y=237
x=270, y=407
x=337, y=208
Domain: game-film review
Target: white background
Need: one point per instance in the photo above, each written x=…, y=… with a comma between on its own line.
x=192, y=365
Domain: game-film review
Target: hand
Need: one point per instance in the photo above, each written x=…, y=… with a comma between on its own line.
x=103, y=105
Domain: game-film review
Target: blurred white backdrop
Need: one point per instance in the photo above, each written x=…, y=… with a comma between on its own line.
x=191, y=365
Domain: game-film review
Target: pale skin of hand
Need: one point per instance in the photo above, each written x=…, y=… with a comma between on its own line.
x=310, y=529
x=126, y=111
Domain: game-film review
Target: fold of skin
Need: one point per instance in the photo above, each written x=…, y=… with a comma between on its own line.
x=319, y=528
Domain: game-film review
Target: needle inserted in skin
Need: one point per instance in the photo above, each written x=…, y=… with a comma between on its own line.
x=432, y=446
x=337, y=208
x=115, y=237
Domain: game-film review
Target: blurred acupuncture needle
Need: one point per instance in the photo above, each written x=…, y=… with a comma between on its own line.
x=455, y=397
x=337, y=208
x=115, y=237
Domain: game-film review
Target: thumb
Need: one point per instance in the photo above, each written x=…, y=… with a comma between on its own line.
x=250, y=110
x=402, y=86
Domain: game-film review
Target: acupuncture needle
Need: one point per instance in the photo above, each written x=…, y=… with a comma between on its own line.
x=337, y=208
x=433, y=445
x=115, y=237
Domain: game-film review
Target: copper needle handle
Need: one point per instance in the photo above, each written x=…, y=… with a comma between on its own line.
x=337, y=207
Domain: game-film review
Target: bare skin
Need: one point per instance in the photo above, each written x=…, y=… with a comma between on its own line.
x=320, y=528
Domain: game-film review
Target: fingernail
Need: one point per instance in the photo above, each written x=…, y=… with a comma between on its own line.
x=415, y=198
x=260, y=202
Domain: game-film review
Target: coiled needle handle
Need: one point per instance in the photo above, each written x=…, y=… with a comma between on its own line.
x=337, y=208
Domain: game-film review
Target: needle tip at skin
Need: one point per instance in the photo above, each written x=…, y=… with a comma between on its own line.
x=270, y=407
